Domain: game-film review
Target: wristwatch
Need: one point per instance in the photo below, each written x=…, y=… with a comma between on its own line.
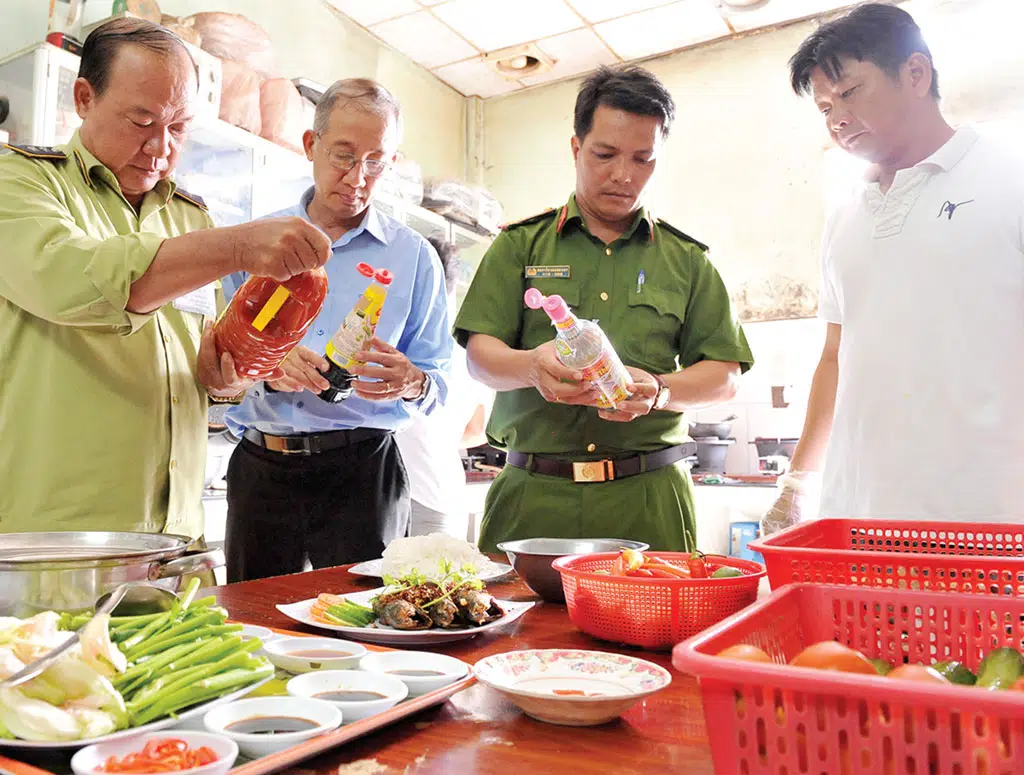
x=661, y=400
x=423, y=390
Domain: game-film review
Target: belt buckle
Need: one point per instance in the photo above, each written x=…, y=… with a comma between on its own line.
x=282, y=445
x=593, y=471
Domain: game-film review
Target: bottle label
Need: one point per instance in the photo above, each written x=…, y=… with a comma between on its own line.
x=357, y=329
x=610, y=377
x=270, y=308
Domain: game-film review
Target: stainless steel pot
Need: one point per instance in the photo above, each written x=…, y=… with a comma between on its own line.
x=68, y=571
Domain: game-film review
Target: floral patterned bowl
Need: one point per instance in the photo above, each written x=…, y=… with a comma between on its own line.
x=569, y=686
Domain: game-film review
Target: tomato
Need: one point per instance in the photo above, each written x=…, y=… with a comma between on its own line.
x=829, y=655
x=1018, y=685
x=918, y=673
x=745, y=652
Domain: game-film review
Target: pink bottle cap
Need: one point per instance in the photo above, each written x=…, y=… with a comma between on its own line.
x=364, y=269
x=556, y=308
x=384, y=277
x=534, y=299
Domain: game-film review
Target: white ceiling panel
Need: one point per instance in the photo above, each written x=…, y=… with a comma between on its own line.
x=574, y=52
x=647, y=33
x=603, y=10
x=777, y=12
x=368, y=12
x=425, y=39
x=475, y=79
x=491, y=25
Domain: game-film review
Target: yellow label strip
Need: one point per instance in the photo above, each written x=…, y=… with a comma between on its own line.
x=274, y=303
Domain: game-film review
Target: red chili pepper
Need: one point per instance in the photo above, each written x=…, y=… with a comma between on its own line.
x=670, y=571
x=698, y=569
x=642, y=572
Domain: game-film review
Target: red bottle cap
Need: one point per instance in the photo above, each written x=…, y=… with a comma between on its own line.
x=384, y=277
x=364, y=269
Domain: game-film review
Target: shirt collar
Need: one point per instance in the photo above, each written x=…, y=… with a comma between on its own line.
x=371, y=222
x=945, y=158
x=570, y=213
x=92, y=169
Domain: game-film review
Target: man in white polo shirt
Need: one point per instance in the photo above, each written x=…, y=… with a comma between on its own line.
x=917, y=405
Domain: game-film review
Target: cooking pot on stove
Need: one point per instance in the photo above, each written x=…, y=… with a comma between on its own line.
x=68, y=571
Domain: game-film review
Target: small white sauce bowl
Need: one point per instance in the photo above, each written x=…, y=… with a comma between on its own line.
x=442, y=669
x=283, y=654
x=254, y=745
x=313, y=684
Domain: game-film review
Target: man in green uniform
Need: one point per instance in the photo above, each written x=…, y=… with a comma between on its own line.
x=574, y=470
x=106, y=282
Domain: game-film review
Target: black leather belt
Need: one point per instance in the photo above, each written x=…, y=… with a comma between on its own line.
x=311, y=443
x=602, y=470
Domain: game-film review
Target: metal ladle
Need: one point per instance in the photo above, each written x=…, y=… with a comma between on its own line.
x=126, y=599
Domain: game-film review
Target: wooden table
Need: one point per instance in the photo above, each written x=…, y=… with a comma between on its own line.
x=478, y=731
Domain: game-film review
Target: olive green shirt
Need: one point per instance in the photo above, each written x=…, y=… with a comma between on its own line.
x=654, y=293
x=102, y=421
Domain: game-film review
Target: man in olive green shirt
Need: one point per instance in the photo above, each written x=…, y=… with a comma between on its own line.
x=574, y=470
x=106, y=272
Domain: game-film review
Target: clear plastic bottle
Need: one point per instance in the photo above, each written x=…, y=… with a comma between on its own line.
x=583, y=346
x=352, y=335
x=266, y=319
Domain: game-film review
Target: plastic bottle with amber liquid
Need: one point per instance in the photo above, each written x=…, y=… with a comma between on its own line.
x=352, y=335
x=582, y=345
x=267, y=318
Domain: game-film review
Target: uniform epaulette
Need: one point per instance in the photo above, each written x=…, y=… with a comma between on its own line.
x=37, y=151
x=194, y=199
x=682, y=234
x=549, y=213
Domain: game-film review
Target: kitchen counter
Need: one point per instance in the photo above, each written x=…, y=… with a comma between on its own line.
x=478, y=731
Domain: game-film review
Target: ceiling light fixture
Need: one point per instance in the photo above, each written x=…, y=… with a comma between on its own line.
x=519, y=61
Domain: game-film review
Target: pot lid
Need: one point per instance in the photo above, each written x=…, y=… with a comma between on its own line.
x=22, y=549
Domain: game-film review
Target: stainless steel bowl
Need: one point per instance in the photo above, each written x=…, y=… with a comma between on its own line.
x=69, y=571
x=532, y=558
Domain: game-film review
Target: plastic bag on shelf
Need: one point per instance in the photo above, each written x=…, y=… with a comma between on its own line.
x=461, y=202
x=403, y=180
x=282, y=114
x=240, y=96
x=233, y=37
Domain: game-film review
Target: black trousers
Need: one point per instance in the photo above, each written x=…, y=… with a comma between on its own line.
x=332, y=508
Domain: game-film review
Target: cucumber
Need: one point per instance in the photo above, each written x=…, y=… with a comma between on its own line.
x=725, y=572
x=1000, y=669
x=955, y=673
x=883, y=667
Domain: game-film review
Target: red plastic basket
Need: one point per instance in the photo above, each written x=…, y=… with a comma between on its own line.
x=651, y=613
x=943, y=556
x=770, y=719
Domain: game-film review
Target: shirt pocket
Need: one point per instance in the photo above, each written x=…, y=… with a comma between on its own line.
x=652, y=332
x=537, y=326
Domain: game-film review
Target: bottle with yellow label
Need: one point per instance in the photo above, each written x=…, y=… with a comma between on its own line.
x=267, y=318
x=356, y=330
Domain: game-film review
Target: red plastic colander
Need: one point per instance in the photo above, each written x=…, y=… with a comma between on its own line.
x=899, y=554
x=652, y=613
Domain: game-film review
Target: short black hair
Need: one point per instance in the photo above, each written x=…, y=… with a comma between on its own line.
x=881, y=34
x=101, y=47
x=448, y=252
x=631, y=89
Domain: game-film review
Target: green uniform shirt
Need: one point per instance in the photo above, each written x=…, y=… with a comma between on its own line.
x=654, y=293
x=102, y=421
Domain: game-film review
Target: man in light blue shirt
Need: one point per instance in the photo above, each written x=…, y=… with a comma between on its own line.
x=319, y=483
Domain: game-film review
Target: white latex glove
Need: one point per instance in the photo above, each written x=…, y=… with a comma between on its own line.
x=790, y=505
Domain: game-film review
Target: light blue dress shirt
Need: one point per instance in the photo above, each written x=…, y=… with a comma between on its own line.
x=414, y=320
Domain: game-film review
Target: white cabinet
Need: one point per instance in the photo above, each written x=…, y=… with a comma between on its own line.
x=39, y=82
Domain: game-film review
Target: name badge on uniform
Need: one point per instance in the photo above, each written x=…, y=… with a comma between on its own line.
x=201, y=300
x=554, y=272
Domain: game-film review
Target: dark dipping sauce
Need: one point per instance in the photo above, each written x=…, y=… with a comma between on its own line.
x=350, y=695
x=271, y=725
x=415, y=673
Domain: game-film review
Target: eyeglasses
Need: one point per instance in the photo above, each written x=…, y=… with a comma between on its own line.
x=343, y=162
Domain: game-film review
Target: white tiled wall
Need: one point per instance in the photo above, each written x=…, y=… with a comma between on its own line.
x=786, y=352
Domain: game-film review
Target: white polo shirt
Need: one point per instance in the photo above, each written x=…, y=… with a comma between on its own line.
x=927, y=282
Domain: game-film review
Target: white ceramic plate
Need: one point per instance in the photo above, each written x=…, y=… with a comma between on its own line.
x=378, y=633
x=154, y=726
x=489, y=571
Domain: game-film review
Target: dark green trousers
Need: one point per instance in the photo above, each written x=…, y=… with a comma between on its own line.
x=655, y=507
